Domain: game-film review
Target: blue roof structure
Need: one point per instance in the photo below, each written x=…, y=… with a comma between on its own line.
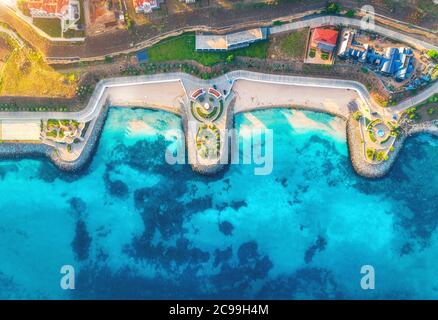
x=395, y=62
x=142, y=56
x=398, y=63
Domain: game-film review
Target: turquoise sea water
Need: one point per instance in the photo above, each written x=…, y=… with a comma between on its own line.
x=134, y=227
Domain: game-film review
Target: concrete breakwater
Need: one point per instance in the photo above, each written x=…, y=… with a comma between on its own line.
x=358, y=153
x=89, y=149
x=238, y=91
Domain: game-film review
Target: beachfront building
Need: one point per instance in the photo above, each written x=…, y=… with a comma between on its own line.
x=241, y=39
x=68, y=11
x=322, y=45
x=324, y=39
x=394, y=62
x=146, y=6
x=398, y=63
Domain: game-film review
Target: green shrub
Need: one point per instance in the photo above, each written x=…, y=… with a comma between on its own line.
x=350, y=13
x=371, y=135
x=333, y=8
x=357, y=115
x=109, y=59
x=433, y=54
x=370, y=153
x=325, y=56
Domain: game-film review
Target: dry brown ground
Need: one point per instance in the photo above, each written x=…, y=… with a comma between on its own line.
x=100, y=17
x=276, y=46
x=4, y=50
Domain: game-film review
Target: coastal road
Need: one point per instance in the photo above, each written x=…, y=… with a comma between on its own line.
x=97, y=47
x=338, y=20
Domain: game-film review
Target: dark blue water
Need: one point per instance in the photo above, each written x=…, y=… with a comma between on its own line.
x=135, y=227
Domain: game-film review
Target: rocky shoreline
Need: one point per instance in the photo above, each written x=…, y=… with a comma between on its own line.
x=89, y=149
x=17, y=150
x=375, y=171
x=355, y=147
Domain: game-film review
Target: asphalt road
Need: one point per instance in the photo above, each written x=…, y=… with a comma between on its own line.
x=122, y=40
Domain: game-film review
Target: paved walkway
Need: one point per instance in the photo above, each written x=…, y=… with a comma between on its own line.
x=13, y=35
x=102, y=92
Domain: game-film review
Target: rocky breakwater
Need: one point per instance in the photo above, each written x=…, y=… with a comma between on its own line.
x=208, y=141
x=17, y=151
x=358, y=155
x=88, y=147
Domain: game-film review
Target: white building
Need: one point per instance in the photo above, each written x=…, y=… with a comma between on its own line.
x=146, y=6
x=68, y=11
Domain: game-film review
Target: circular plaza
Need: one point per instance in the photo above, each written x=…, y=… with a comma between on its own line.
x=206, y=105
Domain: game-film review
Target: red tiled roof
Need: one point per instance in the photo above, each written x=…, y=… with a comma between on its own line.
x=325, y=35
x=140, y=3
x=49, y=6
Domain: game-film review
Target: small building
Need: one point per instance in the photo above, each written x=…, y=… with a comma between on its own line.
x=324, y=39
x=230, y=41
x=398, y=63
x=146, y=6
x=344, y=47
x=68, y=11
x=142, y=56
x=394, y=62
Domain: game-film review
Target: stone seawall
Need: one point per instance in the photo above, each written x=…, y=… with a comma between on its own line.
x=357, y=156
x=90, y=147
x=18, y=151
x=355, y=146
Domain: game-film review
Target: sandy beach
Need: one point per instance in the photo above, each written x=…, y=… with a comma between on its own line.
x=252, y=95
x=164, y=95
x=244, y=95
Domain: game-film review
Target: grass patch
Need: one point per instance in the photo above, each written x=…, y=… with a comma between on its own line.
x=26, y=74
x=50, y=26
x=183, y=48
x=294, y=44
x=325, y=56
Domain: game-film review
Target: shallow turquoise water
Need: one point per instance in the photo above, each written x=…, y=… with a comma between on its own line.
x=134, y=227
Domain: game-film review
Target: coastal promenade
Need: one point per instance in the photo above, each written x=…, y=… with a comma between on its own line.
x=242, y=91
x=106, y=88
